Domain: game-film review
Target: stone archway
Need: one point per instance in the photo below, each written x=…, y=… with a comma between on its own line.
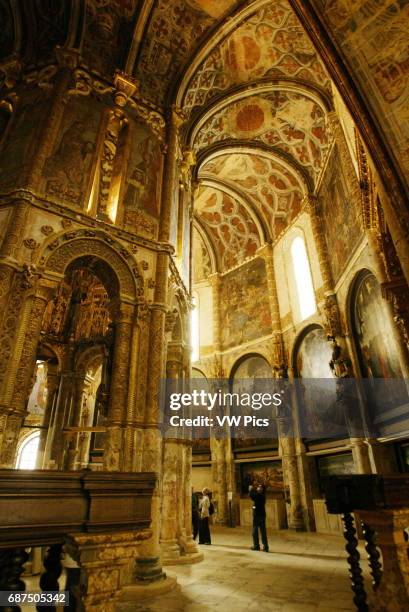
x=117, y=271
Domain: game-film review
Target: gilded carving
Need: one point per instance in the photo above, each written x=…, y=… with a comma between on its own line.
x=61, y=257
x=85, y=83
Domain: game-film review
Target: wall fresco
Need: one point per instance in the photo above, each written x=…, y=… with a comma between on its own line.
x=19, y=148
x=245, y=307
x=373, y=35
x=341, y=216
x=141, y=200
x=66, y=173
x=175, y=29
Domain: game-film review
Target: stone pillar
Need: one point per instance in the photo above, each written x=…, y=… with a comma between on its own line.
x=152, y=447
x=341, y=362
x=287, y=451
x=24, y=373
x=72, y=457
x=216, y=282
x=170, y=487
x=56, y=440
x=220, y=468
x=114, y=455
x=116, y=122
x=53, y=382
x=278, y=357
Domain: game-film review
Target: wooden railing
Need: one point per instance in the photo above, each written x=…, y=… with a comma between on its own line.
x=83, y=511
x=381, y=505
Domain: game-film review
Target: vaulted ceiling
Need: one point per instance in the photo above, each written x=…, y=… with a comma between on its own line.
x=252, y=84
x=257, y=97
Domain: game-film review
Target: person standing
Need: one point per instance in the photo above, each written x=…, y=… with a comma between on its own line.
x=258, y=496
x=204, y=510
x=195, y=515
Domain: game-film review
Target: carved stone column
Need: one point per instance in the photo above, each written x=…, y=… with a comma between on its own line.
x=152, y=446
x=288, y=454
x=72, y=457
x=341, y=363
x=278, y=357
x=216, y=282
x=64, y=405
x=113, y=455
x=53, y=382
x=170, y=486
x=115, y=124
x=24, y=373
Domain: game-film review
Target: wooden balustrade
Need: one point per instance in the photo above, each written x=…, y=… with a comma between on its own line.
x=100, y=518
x=381, y=504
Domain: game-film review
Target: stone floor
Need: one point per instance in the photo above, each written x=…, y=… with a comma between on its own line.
x=302, y=572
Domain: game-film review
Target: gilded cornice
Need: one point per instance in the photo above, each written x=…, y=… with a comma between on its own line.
x=72, y=216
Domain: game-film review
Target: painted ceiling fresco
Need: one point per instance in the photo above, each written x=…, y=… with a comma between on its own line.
x=373, y=36
x=287, y=121
x=176, y=29
x=227, y=222
x=274, y=190
x=270, y=43
x=202, y=265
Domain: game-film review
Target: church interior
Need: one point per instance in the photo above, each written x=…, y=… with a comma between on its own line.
x=204, y=190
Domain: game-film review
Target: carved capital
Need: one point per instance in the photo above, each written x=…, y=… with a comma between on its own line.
x=125, y=86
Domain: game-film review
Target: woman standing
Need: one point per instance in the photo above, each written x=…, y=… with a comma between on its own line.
x=204, y=510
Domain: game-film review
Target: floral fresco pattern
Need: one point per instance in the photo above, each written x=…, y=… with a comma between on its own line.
x=273, y=189
x=373, y=36
x=176, y=29
x=270, y=43
x=233, y=232
x=285, y=120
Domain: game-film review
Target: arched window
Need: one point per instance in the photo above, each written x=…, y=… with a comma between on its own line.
x=27, y=455
x=194, y=330
x=303, y=279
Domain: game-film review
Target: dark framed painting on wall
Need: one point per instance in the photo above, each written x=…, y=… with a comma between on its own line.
x=268, y=473
x=339, y=464
x=320, y=415
x=252, y=375
x=377, y=352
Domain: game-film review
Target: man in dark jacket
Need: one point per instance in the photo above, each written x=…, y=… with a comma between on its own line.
x=258, y=495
